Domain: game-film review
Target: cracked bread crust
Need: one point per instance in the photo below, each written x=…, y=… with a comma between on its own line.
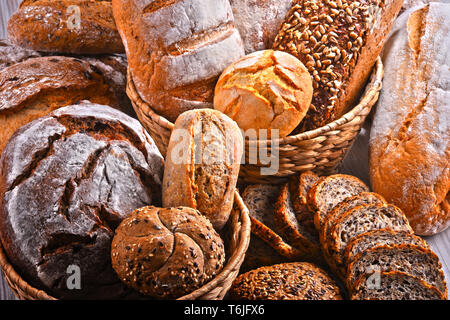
x=54, y=26
x=166, y=252
x=67, y=181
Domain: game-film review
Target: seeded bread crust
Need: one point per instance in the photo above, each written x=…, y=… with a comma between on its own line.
x=166, y=252
x=52, y=26
x=339, y=42
x=286, y=281
x=413, y=288
x=417, y=261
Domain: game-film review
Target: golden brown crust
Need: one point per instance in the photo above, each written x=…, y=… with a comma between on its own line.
x=62, y=30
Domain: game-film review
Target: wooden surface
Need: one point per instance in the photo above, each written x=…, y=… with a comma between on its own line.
x=356, y=164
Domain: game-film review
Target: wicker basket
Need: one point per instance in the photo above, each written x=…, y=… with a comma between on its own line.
x=320, y=150
x=236, y=238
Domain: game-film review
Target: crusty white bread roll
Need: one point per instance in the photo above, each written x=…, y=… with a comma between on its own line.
x=410, y=134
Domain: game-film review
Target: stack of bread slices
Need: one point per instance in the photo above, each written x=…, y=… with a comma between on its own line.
x=366, y=242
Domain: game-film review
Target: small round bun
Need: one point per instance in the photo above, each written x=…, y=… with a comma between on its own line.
x=265, y=90
x=166, y=253
x=285, y=281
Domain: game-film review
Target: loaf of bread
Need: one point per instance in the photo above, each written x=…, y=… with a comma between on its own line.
x=285, y=281
x=265, y=90
x=166, y=253
x=339, y=42
x=177, y=49
x=11, y=54
x=65, y=26
x=409, y=138
x=258, y=21
x=202, y=164
x=37, y=86
x=67, y=180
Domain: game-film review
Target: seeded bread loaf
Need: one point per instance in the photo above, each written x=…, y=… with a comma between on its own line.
x=202, y=164
x=286, y=281
x=177, y=49
x=376, y=238
x=417, y=261
x=394, y=285
x=329, y=191
x=37, y=86
x=258, y=21
x=359, y=220
x=409, y=137
x=67, y=180
x=339, y=42
x=166, y=252
x=65, y=26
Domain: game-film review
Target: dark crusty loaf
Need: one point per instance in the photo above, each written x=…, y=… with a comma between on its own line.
x=394, y=285
x=66, y=26
x=291, y=229
x=177, y=49
x=359, y=220
x=329, y=191
x=35, y=87
x=339, y=42
x=67, y=181
x=260, y=200
x=286, y=281
x=11, y=54
x=376, y=238
x=417, y=261
x=166, y=252
x=202, y=164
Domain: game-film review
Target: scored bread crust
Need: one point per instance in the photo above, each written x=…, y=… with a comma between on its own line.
x=391, y=277
x=403, y=266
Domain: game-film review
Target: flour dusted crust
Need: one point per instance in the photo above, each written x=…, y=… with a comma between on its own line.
x=11, y=54
x=409, y=142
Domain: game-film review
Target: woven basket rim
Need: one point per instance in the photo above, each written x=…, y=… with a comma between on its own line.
x=372, y=88
x=233, y=263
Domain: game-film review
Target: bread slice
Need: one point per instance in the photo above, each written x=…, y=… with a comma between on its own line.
x=394, y=285
x=376, y=238
x=291, y=229
x=260, y=200
x=299, y=186
x=359, y=220
x=328, y=191
x=419, y=262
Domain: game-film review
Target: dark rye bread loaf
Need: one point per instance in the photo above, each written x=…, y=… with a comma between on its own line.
x=285, y=281
x=67, y=181
x=359, y=220
x=329, y=191
x=177, y=50
x=377, y=238
x=417, y=261
x=394, y=285
x=37, y=86
x=339, y=42
x=166, y=252
x=65, y=26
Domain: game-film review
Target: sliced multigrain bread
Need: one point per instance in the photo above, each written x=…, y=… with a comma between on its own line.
x=299, y=186
x=394, y=285
x=291, y=229
x=286, y=281
x=359, y=220
x=260, y=200
x=328, y=191
x=417, y=261
x=380, y=237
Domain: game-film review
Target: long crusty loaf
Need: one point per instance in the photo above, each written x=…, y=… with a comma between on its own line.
x=177, y=49
x=339, y=42
x=66, y=26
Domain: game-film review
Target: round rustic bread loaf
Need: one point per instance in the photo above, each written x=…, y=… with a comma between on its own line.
x=166, y=252
x=285, y=281
x=67, y=181
x=265, y=90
